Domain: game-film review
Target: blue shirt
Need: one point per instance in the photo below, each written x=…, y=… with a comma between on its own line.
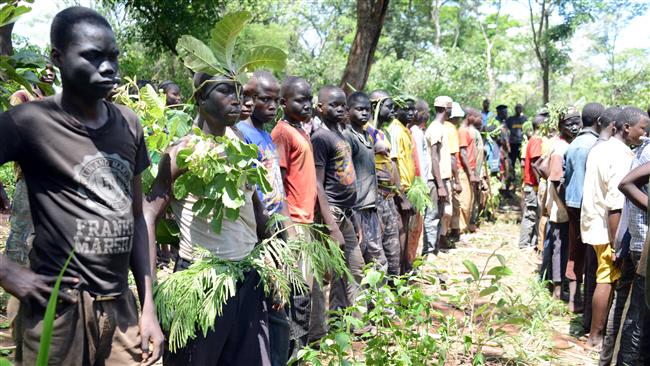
x=268, y=156
x=493, y=153
x=485, y=118
x=575, y=164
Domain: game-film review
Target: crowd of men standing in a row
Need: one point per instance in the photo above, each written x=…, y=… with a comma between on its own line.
x=585, y=190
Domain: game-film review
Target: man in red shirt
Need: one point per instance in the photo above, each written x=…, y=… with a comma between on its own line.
x=530, y=211
x=466, y=169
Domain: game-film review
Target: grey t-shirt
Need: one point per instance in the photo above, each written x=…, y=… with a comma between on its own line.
x=80, y=184
x=363, y=157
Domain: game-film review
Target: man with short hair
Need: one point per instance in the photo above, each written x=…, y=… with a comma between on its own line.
x=335, y=173
x=554, y=256
x=467, y=169
x=387, y=180
x=451, y=132
x=575, y=162
x=485, y=114
x=530, y=214
x=82, y=158
x=438, y=218
x=514, y=124
x=417, y=128
x=602, y=203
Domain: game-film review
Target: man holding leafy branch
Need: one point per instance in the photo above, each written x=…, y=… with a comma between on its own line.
x=82, y=158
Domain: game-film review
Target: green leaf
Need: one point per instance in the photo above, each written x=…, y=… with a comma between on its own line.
x=488, y=291
x=155, y=103
x=48, y=318
x=501, y=259
x=4, y=362
x=225, y=33
x=342, y=340
x=500, y=271
x=471, y=267
x=10, y=13
x=263, y=57
x=197, y=56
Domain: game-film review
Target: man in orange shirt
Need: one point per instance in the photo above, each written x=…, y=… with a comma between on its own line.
x=467, y=168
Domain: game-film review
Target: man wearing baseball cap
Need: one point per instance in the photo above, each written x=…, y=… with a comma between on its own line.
x=437, y=219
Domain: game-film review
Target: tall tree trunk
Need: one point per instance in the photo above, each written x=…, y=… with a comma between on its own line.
x=492, y=83
x=6, y=47
x=545, y=83
x=370, y=21
x=435, y=17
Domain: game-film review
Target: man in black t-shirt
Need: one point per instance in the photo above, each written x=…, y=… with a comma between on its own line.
x=363, y=157
x=335, y=171
x=82, y=158
x=515, y=124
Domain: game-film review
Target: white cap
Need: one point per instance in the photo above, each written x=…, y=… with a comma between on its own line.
x=456, y=110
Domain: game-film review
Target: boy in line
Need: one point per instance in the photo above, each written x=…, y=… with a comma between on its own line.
x=437, y=219
x=387, y=180
x=265, y=94
x=602, y=202
x=417, y=128
x=556, y=243
x=451, y=132
x=363, y=157
x=466, y=167
x=82, y=158
x=403, y=155
x=479, y=194
x=304, y=197
x=530, y=215
x=335, y=172
x=575, y=161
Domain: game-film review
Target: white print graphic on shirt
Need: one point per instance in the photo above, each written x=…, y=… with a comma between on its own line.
x=105, y=182
x=103, y=236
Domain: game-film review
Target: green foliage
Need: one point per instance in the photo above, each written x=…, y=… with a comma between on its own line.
x=48, y=319
x=11, y=11
x=219, y=59
x=188, y=301
x=217, y=169
x=8, y=178
x=419, y=195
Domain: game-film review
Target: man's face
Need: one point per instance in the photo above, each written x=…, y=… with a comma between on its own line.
x=519, y=110
x=297, y=103
x=248, y=100
x=387, y=110
x=422, y=116
x=48, y=75
x=570, y=128
x=222, y=102
x=88, y=64
x=634, y=133
x=173, y=95
x=266, y=101
x=359, y=112
x=486, y=105
x=333, y=107
x=502, y=113
x=406, y=114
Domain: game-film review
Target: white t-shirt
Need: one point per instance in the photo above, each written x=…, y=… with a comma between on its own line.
x=424, y=154
x=607, y=164
x=435, y=134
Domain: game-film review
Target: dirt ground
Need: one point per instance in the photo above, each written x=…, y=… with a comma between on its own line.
x=564, y=345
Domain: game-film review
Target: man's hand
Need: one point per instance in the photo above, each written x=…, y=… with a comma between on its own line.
x=442, y=193
x=337, y=235
x=457, y=187
x=151, y=337
x=404, y=203
x=473, y=179
x=27, y=285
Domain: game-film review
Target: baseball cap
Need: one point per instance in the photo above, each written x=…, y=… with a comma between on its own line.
x=456, y=110
x=442, y=101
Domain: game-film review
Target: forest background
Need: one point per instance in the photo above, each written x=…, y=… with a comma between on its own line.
x=528, y=52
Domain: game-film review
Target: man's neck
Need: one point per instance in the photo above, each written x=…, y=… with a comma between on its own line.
x=256, y=123
x=291, y=121
x=84, y=109
x=590, y=129
x=218, y=130
x=619, y=136
x=440, y=117
x=357, y=128
x=333, y=126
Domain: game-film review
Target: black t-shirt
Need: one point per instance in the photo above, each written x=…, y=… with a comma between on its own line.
x=514, y=125
x=334, y=155
x=80, y=184
x=363, y=157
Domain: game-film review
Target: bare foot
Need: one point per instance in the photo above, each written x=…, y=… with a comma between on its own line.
x=576, y=309
x=594, y=342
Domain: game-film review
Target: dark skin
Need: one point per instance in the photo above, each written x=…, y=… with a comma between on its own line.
x=248, y=100
x=569, y=129
x=296, y=102
x=385, y=115
x=88, y=68
x=442, y=114
x=406, y=115
x=630, y=134
x=267, y=100
x=486, y=106
x=173, y=95
x=454, y=163
x=332, y=109
x=464, y=157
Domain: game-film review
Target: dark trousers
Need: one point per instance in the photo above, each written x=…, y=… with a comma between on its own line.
x=554, y=256
x=577, y=249
x=240, y=335
x=635, y=340
x=591, y=265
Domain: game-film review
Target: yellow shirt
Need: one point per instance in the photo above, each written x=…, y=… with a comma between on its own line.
x=402, y=151
x=452, y=136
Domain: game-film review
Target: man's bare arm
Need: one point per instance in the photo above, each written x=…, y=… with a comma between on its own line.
x=631, y=183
